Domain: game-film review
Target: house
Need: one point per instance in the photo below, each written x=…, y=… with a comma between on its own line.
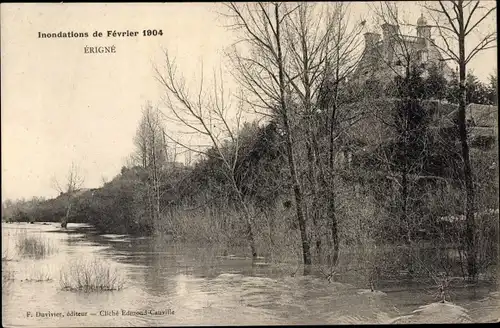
x=371, y=125
x=389, y=55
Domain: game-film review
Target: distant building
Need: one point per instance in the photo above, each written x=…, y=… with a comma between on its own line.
x=387, y=56
x=372, y=129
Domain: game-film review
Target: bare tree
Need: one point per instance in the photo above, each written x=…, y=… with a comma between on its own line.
x=152, y=154
x=73, y=182
x=140, y=156
x=456, y=22
x=299, y=54
x=340, y=60
x=264, y=72
x=211, y=116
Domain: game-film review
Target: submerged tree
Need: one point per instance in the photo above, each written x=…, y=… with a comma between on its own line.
x=328, y=56
x=263, y=72
x=212, y=116
x=455, y=21
x=294, y=59
x=73, y=182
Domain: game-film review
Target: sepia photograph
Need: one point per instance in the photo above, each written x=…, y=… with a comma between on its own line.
x=249, y=163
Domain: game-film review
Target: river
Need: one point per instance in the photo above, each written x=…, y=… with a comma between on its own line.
x=179, y=285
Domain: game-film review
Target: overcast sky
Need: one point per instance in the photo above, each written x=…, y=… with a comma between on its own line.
x=60, y=105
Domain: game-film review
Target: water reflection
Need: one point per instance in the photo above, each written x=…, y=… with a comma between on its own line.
x=190, y=285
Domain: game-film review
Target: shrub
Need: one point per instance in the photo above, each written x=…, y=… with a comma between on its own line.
x=33, y=245
x=90, y=276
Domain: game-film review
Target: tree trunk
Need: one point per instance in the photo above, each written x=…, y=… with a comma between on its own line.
x=470, y=225
x=313, y=180
x=331, y=201
x=299, y=200
x=404, y=174
x=251, y=240
x=65, y=220
x=313, y=162
x=248, y=217
x=334, y=228
x=248, y=220
x=404, y=196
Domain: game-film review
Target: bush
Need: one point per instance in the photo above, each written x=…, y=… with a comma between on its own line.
x=204, y=226
x=33, y=245
x=90, y=276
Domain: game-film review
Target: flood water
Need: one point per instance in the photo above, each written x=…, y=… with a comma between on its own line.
x=176, y=285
